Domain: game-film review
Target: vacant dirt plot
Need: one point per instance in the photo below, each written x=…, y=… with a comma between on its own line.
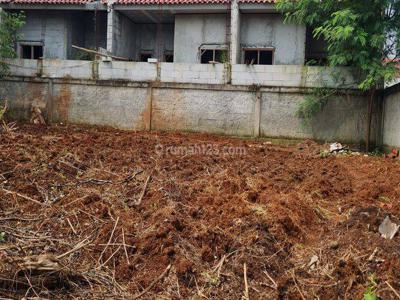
x=99, y=213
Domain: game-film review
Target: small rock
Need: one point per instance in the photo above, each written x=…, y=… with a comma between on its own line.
x=388, y=229
x=314, y=260
x=335, y=147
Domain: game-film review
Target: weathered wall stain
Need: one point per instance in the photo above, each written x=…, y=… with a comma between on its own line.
x=146, y=117
x=61, y=102
x=171, y=118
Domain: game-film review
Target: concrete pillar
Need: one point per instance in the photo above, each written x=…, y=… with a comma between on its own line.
x=257, y=113
x=235, y=33
x=110, y=29
x=148, y=115
x=49, y=103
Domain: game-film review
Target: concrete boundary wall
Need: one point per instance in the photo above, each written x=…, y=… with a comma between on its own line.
x=216, y=74
x=391, y=117
x=212, y=108
x=133, y=71
x=23, y=67
x=292, y=76
x=194, y=73
x=79, y=69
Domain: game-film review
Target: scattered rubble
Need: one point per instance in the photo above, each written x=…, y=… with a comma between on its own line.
x=393, y=154
x=337, y=148
x=314, y=260
x=388, y=229
x=37, y=116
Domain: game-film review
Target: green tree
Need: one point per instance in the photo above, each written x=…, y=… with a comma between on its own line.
x=362, y=34
x=9, y=25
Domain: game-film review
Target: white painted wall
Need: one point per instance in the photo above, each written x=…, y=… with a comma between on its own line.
x=193, y=30
x=268, y=30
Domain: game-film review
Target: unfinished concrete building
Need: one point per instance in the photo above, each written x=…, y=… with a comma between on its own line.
x=220, y=66
x=181, y=31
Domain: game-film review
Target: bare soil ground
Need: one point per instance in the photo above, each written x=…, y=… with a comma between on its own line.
x=100, y=213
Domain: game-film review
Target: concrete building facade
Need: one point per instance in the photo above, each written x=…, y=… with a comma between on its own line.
x=198, y=31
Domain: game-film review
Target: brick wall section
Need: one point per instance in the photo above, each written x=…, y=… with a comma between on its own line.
x=268, y=76
x=22, y=67
x=134, y=71
x=291, y=76
x=78, y=69
x=194, y=73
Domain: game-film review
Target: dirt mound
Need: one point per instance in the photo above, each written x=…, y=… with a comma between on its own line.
x=100, y=213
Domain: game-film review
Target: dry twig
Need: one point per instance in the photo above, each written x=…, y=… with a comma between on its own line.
x=297, y=287
x=124, y=244
x=393, y=290
x=246, y=285
x=72, y=227
x=163, y=274
x=109, y=240
x=77, y=247
x=22, y=196
x=274, y=284
x=143, y=191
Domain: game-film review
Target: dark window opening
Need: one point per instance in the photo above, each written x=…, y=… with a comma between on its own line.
x=31, y=51
x=26, y=52
x=213, y=55
x=258, y=57
x=316, y=49
x=145, y=56
x=37, y=52
x=251, y=57
x=169, y=57
x=266, y=58
x=207, y=56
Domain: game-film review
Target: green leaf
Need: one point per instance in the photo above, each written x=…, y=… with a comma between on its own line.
x=356, y=34
x=370, y=296
x=2, y=237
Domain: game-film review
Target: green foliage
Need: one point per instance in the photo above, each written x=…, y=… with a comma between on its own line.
x=370, y=292
x=378, y=152
x=362, y=34
x=223, y=57
x=2, y=237
x=10, y=23
x=313, y=103
x=80, y=55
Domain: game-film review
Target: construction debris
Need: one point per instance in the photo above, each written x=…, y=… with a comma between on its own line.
x=388, y=229
x=393, y=154
x=36, y=116
x=43, y=262
x=313, y=262
x=337, y=148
